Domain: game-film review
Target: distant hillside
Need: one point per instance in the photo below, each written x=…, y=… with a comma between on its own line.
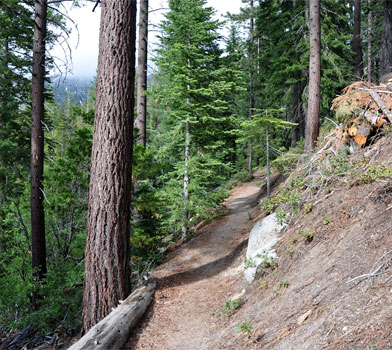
x=78, y=88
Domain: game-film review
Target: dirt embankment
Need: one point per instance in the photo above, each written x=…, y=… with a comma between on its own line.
x=332, y=291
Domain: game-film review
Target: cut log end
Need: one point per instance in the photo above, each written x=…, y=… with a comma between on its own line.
x=360, y=139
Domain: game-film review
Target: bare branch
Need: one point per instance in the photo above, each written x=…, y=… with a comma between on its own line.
x=96, y=4
x=159, y=9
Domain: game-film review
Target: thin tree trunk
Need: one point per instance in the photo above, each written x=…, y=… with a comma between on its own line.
x=107, y=272
x=357, y=40
x=37, y=144
x=369, y=47
x=251, y=77
x=313, y=114
x=185, y=212
x=185, y=218
x=268, y=164
x=386, y=42
x=141, y=103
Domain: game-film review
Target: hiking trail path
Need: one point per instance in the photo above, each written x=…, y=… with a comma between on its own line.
x=196, y=279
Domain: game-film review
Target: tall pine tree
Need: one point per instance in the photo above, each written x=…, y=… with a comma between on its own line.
x=107, y=273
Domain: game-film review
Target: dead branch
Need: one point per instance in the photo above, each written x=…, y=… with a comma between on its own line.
x=374, y=273
x=321, y=199
x=381, y=91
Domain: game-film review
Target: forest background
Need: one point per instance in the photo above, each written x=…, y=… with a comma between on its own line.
x=209, y=106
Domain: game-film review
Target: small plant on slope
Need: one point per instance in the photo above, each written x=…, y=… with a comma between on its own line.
x=249, y=263
x=245, y=328
x=289, y=251
x=230, y=306
x=283, y=284
x=309, y=235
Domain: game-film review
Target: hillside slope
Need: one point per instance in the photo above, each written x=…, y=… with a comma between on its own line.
x=331, y=287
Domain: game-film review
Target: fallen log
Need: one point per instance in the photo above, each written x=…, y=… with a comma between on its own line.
x=381, y=104
x=372, y=118
x=375, y=120
x=113, y=331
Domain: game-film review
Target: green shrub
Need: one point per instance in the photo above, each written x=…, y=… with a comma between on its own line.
x=374, y=172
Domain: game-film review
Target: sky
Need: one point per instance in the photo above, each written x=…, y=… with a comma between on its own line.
x=83, y=42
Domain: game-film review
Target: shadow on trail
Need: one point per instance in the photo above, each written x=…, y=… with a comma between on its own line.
x=207, y=270
x=213, y=268
x=202, y=272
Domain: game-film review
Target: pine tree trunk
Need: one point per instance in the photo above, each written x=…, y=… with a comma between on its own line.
x=357, y=40
x=107, y=272
x=37, y=144
x=386, y=42
x=369, y=47
x=313, y=113
x=141, y=103
x=251, y=78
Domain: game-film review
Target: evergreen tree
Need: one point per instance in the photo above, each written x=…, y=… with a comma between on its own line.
x=15, y=92
x=193, y=88
x=37, y=142
x=283, y=59
x=238, y=101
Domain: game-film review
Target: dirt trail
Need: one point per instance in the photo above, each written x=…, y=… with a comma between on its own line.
x=196, y=279
x=324, y=293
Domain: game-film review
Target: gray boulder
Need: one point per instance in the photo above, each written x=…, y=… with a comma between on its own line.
x=262, y=239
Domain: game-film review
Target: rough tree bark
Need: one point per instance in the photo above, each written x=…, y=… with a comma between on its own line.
x=141, y=104
x=37, y=144
x=313, y=114
x=357, y=40
x=386, y=41
x=107, y=274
